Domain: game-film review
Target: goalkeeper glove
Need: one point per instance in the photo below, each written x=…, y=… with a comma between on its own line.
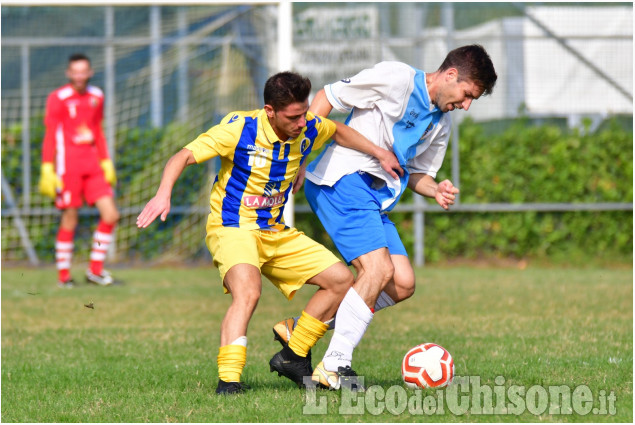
x=50, y=182
x=109, y=171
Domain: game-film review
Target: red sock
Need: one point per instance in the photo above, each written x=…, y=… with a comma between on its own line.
x=101, y=241
x=64, y=253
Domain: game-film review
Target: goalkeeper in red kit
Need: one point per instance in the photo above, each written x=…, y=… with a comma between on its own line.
x=76, y=167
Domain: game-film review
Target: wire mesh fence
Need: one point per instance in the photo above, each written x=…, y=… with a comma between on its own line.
x=171, y=72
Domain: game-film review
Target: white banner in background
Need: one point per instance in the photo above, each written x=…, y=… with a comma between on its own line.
x=335, y=43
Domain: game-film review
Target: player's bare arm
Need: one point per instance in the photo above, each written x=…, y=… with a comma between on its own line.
x=321, y=105
x=160, y=204
x=299, y=178
x=444, y=192
x=351, y=138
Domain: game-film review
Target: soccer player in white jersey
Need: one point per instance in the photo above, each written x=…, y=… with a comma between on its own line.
x=404, y=110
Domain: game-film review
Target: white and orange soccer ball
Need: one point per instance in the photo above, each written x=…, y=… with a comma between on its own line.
x=427, y=366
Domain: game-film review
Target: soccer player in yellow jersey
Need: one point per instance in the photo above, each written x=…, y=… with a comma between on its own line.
x=261, y=152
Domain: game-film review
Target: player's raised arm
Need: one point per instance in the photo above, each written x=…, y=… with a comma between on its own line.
x=160, y=204
x=351, y=138
x=321, y=105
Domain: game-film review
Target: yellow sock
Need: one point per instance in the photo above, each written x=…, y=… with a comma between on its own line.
x=306, y=334
x=231, y=360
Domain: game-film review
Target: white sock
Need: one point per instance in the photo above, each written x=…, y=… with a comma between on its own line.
x=352, y=318
x=241, y=340
x=383, y=301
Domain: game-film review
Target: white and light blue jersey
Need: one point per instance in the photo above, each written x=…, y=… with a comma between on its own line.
x=390, y=105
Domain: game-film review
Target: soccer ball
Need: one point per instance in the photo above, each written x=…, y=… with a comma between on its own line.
x=427, y=366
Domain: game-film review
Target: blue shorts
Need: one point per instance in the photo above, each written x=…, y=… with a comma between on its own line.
x=350, y=213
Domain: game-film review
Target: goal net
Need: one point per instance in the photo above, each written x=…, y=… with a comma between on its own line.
x=171, y=72
x=168, y=73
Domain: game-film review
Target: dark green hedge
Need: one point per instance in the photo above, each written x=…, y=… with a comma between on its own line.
x=518, y=161
x=530, y=163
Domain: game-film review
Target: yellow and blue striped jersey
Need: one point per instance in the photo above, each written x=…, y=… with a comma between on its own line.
x=257, y=169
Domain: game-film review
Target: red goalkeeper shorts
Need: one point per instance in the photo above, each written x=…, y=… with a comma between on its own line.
x=82, y=181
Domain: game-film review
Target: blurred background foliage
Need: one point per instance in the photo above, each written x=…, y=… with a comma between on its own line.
x=523, y=161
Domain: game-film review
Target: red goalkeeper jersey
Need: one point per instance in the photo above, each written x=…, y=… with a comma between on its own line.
x=73, y=128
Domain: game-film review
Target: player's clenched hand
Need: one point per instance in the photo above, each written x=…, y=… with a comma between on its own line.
x=445, y=194
x=157, y=206
x=50, y=182
x=390, y=163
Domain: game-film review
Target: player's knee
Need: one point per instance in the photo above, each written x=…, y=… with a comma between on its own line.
x=69, y=225
x=404, y=285
x=379, y=269
x=111, y=217
x=347, y=280
x=387, y=272
x=69, y=221
x=247, y=297
x=342, y=280
x=407, y=292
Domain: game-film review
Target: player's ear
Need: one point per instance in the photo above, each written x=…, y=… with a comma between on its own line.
x=270, y=111
x=451, y=74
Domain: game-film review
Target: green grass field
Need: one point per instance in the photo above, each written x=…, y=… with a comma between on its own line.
x=147, y=351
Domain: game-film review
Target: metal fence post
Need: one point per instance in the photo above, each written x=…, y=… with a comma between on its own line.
x=109, y=104
x=26, y=126
x=156, y=89
x=447, y=17
x=515, y=62
x=17, y=221
x=285, y=50
x=418, y=218
x=182, y=54
x=109, y=81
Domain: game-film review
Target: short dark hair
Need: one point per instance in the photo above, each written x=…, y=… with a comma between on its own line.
x=285, y=88
x=474, y=64
x=78, y=57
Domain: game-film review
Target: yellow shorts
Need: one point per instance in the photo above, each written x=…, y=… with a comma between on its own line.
x=288, y=258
